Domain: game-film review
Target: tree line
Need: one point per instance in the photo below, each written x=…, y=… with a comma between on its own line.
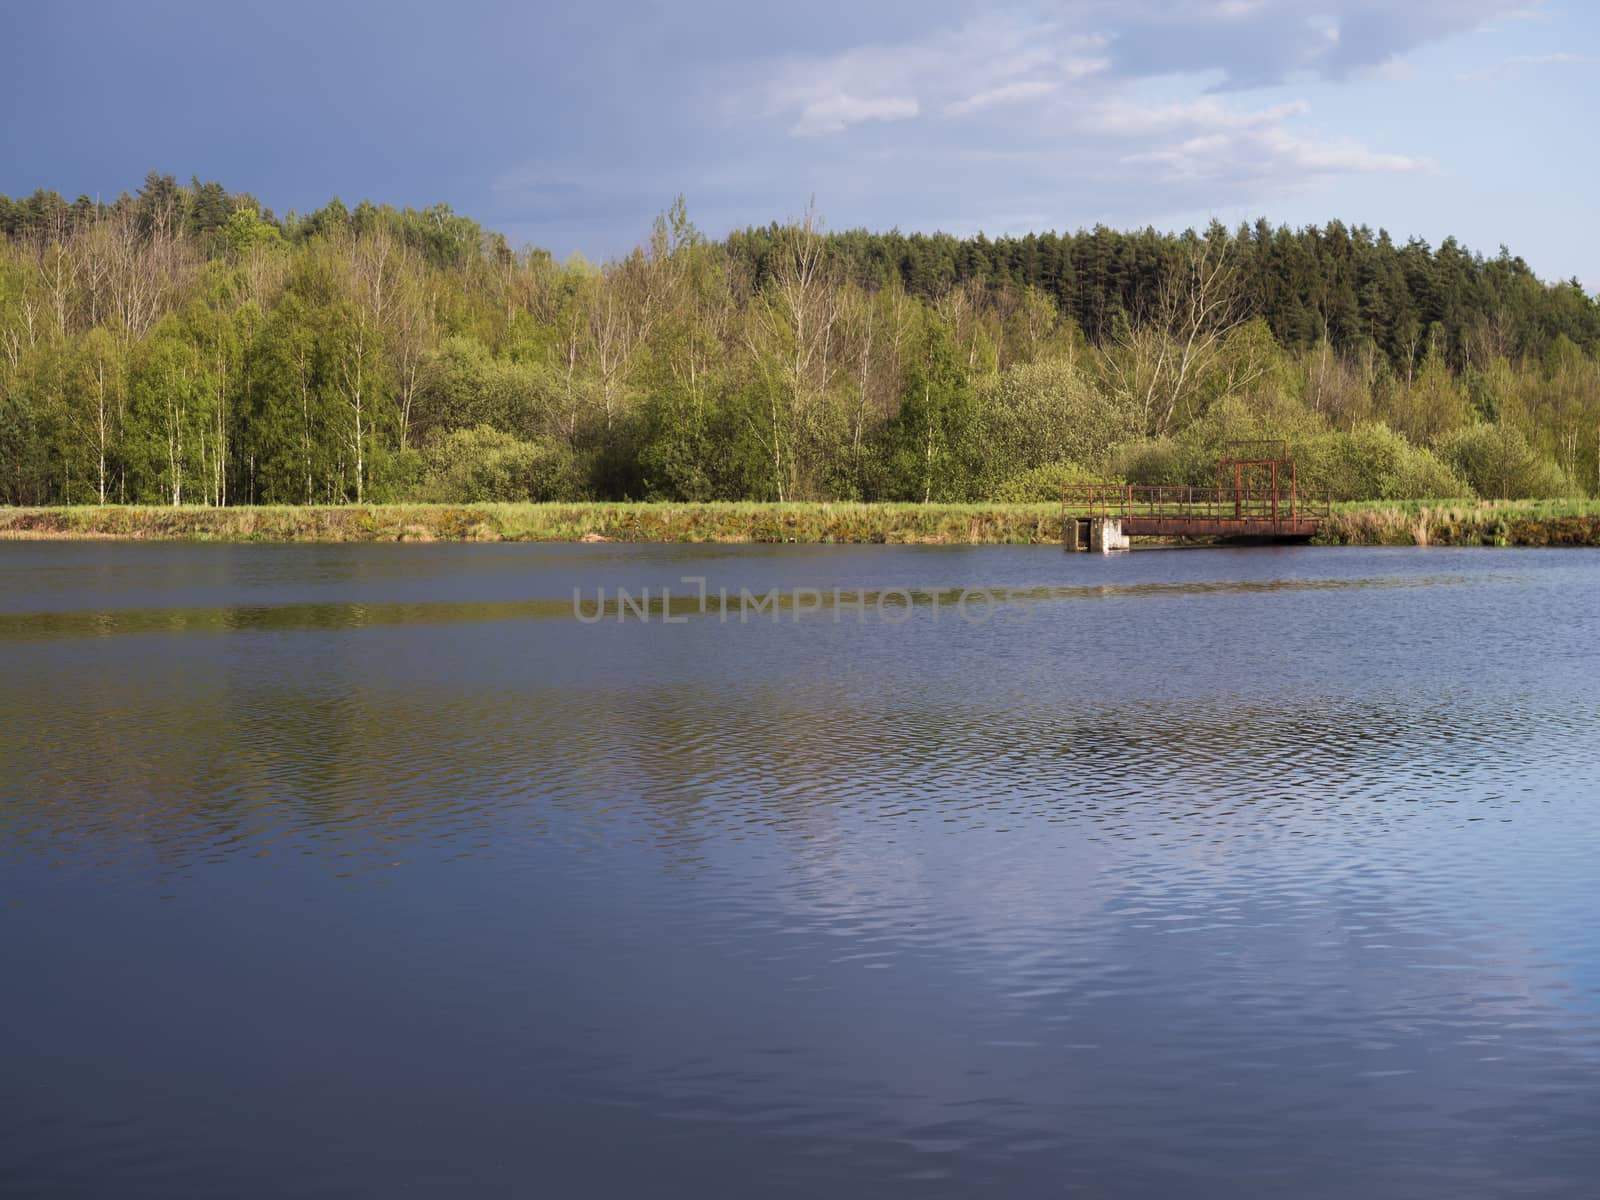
x=185, y=345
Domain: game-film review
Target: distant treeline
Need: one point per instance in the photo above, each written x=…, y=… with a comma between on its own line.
x=1351, y=286
x=184, y=344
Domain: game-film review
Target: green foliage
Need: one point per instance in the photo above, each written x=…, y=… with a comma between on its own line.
x=1045, y=412
x=482, y=464
x=1042, y=485
x=933, y=439
x=286, y=410
x=1260, y=415
x=245, y=230
x=1372, y=462
x=1433, y=405
x=1500, y=464
x=463, y=385
x=169, y=410
x=1352, y=285
x=1165, y=462
x=184, y=346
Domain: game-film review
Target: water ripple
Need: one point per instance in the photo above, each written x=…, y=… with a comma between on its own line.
x=1257, y=883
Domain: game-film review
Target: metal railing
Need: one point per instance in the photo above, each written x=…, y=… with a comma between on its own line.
x=1181, y=503
x=1256, y=452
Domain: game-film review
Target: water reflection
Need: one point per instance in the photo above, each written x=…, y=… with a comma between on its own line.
x=974, y=604
x=1261, y=875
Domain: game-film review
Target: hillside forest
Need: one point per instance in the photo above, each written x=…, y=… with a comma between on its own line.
x=185, y=345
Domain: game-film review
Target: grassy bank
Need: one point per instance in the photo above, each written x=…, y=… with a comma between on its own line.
x=1014, y=524
x=1465, y=523
x=1436, y=523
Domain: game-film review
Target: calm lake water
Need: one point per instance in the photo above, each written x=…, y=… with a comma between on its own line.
x=365, y=870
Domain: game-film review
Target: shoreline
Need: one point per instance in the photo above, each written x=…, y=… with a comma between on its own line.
x=1424, y=523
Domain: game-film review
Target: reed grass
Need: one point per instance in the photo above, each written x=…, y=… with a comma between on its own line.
x=1010, y=524
x=1399, y=523
x=1465, y=523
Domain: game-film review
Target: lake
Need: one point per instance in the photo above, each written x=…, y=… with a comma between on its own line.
x=361, y=870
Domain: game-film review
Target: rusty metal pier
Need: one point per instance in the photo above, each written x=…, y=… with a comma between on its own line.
x=1257, y=499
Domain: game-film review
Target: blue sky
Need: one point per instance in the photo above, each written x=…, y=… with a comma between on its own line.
x=570, y=127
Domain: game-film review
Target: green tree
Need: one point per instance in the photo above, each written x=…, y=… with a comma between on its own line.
x=1499, y=463
x=170, y=413
x=933, y=447
x=288, y=420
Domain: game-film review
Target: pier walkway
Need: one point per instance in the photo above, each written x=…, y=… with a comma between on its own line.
x=1258, y=499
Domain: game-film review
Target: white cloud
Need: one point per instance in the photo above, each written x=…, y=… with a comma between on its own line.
x=1511, y=67
x=1393, y=71
x=959, y=71
x=1009, y=93
x=1205, y=140
x=1054, y=114
x=835, y=114
x=1262, y=42
x=1114, y=109
x=1123, y=118
x=1531, y=12
x=1040, y=114
x=1341, y=155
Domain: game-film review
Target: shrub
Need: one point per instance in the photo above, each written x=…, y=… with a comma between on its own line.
x=481, y=464
x=1500, y=464
x=1166, y=462
x=1042, y=414
x=1373, y=462
x=1043, y=484
x=1419, y=475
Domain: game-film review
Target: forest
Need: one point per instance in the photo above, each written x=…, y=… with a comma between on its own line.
x=184, y=345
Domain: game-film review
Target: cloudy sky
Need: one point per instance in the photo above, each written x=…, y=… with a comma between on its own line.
x=571, y=126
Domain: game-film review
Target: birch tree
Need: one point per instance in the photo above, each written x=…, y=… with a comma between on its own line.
x=1154, y=361
x=795, y=327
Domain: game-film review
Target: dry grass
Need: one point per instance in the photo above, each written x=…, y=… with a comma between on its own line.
x=729, y=522
x=1410, y=523
x=1466, y=523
